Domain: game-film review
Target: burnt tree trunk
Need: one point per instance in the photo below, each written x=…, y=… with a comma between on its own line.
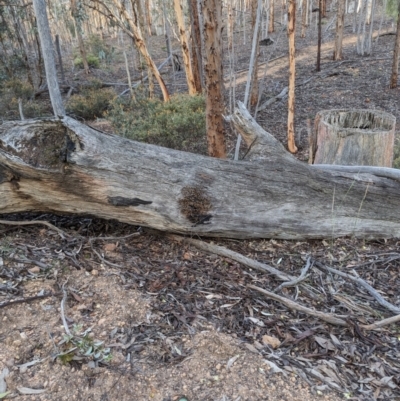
x=63, y=166
x=353, y=138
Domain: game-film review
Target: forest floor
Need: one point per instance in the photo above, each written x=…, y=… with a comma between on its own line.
x=106, y=311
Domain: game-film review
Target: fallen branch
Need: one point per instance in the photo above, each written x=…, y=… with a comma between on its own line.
x=31, y=222
x=364, y=284
x=381, y=323
x=27, y=299
x=221, y=251
x=327, y=317
x=303, y=276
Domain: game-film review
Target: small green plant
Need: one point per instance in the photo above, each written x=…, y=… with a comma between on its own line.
x=178, y=124
x=92, y=60
x=80, y=345
x=91, y=103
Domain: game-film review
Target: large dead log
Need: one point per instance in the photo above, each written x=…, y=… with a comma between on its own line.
x=63, y=166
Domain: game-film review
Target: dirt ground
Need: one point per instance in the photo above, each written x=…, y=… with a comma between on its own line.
x=114, y=312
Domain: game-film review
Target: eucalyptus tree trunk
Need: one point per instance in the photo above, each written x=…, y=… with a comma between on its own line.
x=32, y=59
x=395, y=64
x=371, y=17
x=304, y=19
x=149, y=19
x=256, y=11
x=60, y=61
x=271, y=27
x=167, y=34
x=338, y=52
x=252, y=75
x=185, y=47
x=134, y=32
x=76, y=11
x=292, y=75
x=214, y=78
x=318, y=68
x=48, y=57
x=195, y=41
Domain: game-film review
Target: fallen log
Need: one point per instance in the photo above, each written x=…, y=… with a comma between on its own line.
x=62, y=166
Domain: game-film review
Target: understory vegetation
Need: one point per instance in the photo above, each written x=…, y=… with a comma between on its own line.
x=178, y=124
x=91, y=102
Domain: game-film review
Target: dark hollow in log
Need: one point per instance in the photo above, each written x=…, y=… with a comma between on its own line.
x=353, y=138
x=63, y=166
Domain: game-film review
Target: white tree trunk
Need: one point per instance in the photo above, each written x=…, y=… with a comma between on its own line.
x=48, y=57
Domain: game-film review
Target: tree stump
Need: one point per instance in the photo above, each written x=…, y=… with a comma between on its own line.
x=353, y=138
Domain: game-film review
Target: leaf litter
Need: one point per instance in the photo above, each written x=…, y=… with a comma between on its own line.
x=176, y=320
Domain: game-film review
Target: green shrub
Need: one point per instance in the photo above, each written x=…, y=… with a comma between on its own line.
x=13, y=89
x=92, y=60
x=178, y=124
x=91, y=103
x=99, y=48
x=17, y=88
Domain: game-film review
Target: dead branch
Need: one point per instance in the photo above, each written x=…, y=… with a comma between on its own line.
x=297, y=280
x=327, y=317
x=31, y=222
x=381, y=323
x=364, y=284
x=28, y=299
x=221, y=251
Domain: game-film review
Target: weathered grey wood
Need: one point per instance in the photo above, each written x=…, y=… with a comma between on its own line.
x=46, y=45
x=353, y=137
x=66, y=167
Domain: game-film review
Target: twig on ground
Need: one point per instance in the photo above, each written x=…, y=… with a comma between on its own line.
x=28, y=299
x=364, y=284
x=381, y=323
x=220, y=250
x=303, y=276
x=31, y=222
x=327, y=317
x=31, y=262
x=65, y=324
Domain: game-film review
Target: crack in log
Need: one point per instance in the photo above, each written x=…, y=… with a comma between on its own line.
x=121, y=201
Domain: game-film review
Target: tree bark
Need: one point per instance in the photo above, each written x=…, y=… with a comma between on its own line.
x=60, y=62
x=338, y=52
x=48, y=56
x=185, y=47
x=292, y=75
x=256, y=10
x=135, y=34
x=271, y=23
x=214, y=79
x=63, y=166
x=318, y=68
x=353, y=138
x=395, y=65
x=76, y=14
x=304, y=19
x=195, y=41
